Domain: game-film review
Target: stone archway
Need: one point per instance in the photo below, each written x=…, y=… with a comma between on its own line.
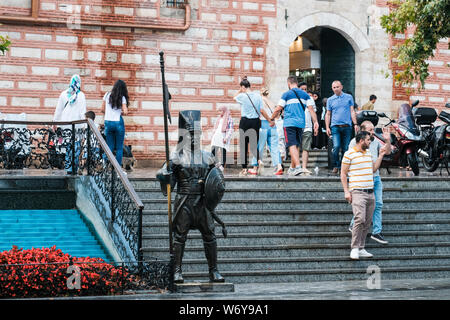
x=346, y=28
x=365, y=60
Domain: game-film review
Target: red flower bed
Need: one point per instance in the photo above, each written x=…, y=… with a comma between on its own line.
x=44, y=272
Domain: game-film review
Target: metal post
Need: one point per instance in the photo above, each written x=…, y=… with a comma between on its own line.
x=139, y=244
x=73, y=149
x=113, y=177
x=88, y=145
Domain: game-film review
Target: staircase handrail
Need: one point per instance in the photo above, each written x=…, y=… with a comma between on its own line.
x=116, y=171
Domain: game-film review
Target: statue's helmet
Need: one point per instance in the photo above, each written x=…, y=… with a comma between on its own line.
x=190, y=120
x=189, y=130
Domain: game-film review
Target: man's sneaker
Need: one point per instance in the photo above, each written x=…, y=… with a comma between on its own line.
x=354, y=254
x=364, y=254
x=379, y=238
x=295, y=172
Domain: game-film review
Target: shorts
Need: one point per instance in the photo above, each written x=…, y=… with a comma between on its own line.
x=307, y=140
x=293, y=136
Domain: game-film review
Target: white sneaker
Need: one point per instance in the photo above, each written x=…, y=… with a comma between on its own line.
x=290, y=171
x=297, y=171
x=354, y=254
x=364, y=254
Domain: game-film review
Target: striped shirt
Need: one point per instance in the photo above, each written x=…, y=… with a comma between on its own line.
x=294, y=115
x=360, y=170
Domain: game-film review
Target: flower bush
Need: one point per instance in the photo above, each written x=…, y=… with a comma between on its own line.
x=44, y=272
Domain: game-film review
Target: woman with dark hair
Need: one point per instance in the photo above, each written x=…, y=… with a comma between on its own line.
x=320, y=140
x=251, y=110
x=115, y=103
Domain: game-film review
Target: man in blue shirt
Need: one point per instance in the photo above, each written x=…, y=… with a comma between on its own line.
x=341, y=113
x=294, y=102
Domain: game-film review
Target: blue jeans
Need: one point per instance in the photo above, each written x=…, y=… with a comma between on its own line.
x=269, y=135
x=68, y=157
x=376, y=220
x=115, y=136
x=341, y=139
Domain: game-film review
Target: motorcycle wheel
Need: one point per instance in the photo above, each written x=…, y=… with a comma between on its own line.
x=413, y=163
x=429, y=163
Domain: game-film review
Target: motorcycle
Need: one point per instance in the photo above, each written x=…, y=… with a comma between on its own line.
x=405, y=144
x=437, y=147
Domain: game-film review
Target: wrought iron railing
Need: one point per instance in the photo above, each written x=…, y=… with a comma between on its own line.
x=82, y=278
x=79, y=148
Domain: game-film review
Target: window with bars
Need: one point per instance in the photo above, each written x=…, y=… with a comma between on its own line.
x=176, y=3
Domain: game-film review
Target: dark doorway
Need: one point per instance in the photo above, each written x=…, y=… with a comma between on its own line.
x=321, y=55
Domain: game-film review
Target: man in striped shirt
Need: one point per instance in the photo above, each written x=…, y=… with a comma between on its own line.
x=357, y=164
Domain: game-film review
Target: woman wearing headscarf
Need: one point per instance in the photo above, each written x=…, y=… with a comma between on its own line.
x=115, y=103
x=320, y=140
x=71, y=107
x=223, y=129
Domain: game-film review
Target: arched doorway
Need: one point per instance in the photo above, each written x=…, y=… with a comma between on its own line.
x=321, y=55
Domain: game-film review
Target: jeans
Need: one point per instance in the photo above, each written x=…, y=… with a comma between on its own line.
x=269, y=135
x=115, y=136
x=376, y=219
x=341, y=139
x=68, y=157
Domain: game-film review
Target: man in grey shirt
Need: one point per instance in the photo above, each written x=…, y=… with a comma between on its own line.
x=375, y=147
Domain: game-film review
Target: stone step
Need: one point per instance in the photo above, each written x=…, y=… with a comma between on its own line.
x=49, y=182
x=37, y=199
x=303, y=193
x=251, y=264
x=151, y=216
x=196, y=251
x=305, y=204
x=158, y=240
x=319, y=182
x=307, y=226
x=358, y=272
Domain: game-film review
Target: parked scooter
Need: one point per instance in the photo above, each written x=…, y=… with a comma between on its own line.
x=405, y=144
x=437, y=147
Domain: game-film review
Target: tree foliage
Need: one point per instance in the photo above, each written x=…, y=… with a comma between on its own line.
x=430, y=21
x=4, y=44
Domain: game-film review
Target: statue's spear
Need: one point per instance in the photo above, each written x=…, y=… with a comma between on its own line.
x=166, y=98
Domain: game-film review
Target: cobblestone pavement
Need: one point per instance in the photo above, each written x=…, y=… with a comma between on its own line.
x=413, y=289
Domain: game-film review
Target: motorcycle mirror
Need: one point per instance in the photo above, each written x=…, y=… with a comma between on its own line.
x=447, y=105
x=415, y=103
x=382, y=114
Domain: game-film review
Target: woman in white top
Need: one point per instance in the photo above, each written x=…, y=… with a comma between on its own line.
x=223, y=129
x=115, y=103
x=71, y=107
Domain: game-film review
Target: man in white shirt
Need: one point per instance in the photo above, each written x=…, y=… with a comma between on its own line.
x=307, y=132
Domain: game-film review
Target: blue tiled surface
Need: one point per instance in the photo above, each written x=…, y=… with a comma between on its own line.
x=65, y=229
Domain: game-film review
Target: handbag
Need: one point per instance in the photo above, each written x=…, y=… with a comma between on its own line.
x=253, y=106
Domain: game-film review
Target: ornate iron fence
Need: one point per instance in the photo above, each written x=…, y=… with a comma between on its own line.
x=82, y=278
x=79, y=148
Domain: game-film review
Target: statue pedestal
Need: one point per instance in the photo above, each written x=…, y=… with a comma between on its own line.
x=204, y=286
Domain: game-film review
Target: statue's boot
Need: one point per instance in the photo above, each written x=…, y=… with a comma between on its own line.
x=211, y=256
x=178, y=250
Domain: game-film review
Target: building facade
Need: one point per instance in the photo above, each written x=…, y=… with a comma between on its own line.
x=208, y=45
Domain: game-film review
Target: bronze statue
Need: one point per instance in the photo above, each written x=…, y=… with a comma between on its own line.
x=200, y=187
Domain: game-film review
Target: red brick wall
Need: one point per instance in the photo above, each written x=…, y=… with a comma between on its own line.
x=226, y=40
x=436, y=92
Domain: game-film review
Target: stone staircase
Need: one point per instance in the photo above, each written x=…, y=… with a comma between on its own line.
x=283, y=229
